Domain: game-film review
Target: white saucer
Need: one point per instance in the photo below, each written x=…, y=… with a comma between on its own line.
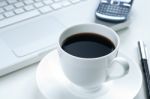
x=54, y=85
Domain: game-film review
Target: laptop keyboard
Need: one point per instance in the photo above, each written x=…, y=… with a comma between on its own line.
x=13, y=11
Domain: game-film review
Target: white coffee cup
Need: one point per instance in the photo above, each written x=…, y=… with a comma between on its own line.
x=91, y=73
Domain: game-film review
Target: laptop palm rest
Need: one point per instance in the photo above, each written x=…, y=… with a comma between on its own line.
x=33, y=36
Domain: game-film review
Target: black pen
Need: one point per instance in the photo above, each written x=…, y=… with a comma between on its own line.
x=145, y=68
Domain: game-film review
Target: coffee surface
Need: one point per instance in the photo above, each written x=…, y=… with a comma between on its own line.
x=88, y=45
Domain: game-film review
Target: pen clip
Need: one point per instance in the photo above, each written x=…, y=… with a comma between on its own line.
x=142, y=49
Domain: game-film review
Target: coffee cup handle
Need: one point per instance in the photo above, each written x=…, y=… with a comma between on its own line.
x=125, y=68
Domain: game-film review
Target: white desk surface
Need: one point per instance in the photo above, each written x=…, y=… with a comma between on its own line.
x=22, y=85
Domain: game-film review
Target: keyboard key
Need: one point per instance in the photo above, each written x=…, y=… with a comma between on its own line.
x=29, y=7
x=1, y=17
x=45, y=9
x=57, y=0
x=56, y=5
x=25, y=9
x=19, y=10
x=11, y=1
x=47, y=1
x=9, y=14
x=1, y=10
x=65, y=3
x=28, y=1
x=37, y=0
x=3, y=3
x=19, y=4
x=75, y=1
x=9, y=7
x=38, y=5
x=18, y=18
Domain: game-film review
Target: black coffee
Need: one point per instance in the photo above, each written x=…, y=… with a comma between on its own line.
x=88, y=45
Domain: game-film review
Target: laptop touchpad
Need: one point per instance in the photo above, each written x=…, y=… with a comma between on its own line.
x=33, y=36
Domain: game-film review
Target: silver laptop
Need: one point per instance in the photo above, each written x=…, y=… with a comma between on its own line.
x=29, y=28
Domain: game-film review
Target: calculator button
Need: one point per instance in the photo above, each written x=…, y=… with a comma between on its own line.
x=104, y=1
x=113, y=10
x=116, y=2
x=126, y=4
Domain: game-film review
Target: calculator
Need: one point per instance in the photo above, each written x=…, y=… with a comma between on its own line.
x=114, y=10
